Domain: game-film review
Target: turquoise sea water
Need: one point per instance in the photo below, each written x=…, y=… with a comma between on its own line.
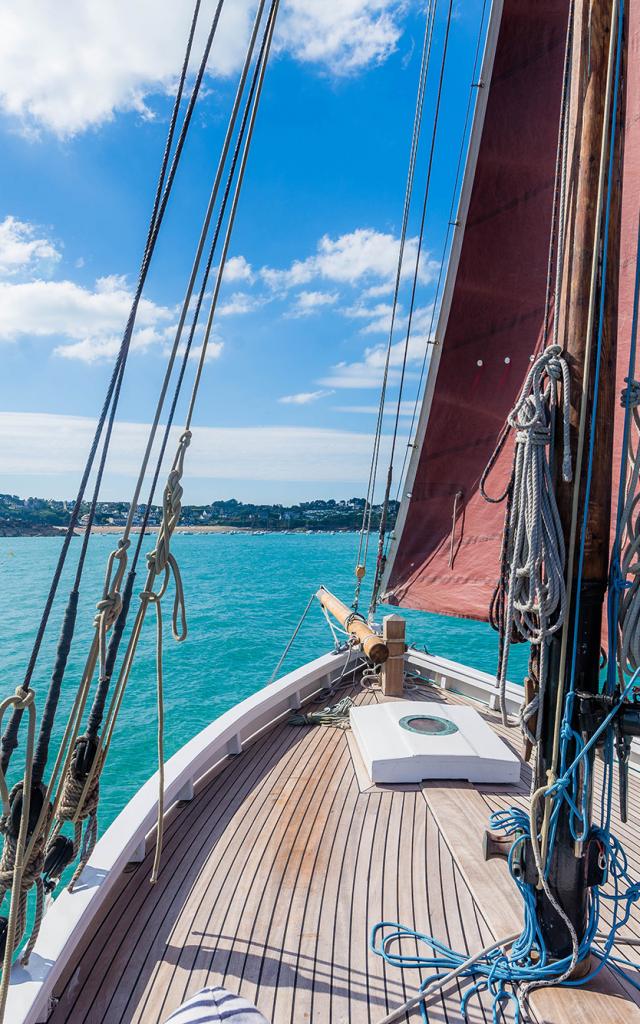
x=244, y=593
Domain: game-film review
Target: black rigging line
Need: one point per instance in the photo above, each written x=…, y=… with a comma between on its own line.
x=162, y=193
x=99, y=702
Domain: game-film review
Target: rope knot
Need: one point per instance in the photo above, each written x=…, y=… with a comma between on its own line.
x=631, y=394
x=554, y=369
x=25, y=697
x=566, y=732
x=107, y=610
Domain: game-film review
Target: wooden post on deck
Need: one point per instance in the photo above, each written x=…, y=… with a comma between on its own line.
x=393, y=632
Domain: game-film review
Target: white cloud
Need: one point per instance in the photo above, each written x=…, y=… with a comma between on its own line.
x=239, y=304
x=31, y=443
x=362, y=257
x=214, y=350
x=22, y=251
x=307, y=303
x=377, y=291
x=238, y=269
x=345, y=35
x=378, y=317
x=304, y=397
x=406, y=408
x=72, y=67
x=360, y=374
x=368, y=372
x=88, y=321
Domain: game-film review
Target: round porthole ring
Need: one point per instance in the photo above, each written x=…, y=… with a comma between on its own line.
x=446, y=726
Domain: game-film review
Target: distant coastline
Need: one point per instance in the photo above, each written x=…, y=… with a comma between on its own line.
x=44, y=517
x=42, y=530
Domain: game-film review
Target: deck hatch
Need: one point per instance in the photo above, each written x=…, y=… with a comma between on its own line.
x=406, y=741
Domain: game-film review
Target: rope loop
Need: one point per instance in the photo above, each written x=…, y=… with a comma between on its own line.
x=530, y=601
x=109, y=606
x=171, y=508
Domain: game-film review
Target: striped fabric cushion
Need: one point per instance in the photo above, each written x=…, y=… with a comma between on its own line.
x=213, y=1005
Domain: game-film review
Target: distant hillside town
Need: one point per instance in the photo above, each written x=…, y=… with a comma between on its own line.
x=46, y=517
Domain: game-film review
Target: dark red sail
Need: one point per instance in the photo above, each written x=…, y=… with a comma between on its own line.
x=446, y=555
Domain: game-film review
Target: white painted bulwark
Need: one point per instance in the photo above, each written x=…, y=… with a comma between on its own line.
x=461, y=745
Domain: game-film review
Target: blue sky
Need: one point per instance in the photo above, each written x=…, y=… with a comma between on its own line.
x=286, y=408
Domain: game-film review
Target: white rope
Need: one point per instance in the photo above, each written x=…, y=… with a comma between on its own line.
x=536, y=603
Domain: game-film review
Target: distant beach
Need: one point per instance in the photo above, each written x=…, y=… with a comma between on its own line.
x=179, y=529
x=44, y=530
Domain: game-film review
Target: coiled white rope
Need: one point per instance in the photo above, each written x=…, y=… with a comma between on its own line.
x=535, y=605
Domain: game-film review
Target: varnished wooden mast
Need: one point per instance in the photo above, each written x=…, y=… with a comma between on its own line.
x=578, y=308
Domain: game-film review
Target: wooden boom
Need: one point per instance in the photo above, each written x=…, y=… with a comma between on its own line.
x=356, y=626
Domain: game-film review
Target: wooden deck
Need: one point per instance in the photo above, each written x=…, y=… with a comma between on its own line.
x=272, y=877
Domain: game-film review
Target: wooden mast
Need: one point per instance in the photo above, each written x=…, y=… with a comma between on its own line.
x=595, y=22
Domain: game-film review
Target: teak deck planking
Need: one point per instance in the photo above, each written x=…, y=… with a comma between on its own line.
x=273, y=875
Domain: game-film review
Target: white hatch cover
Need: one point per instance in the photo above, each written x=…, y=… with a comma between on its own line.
x=409, y=741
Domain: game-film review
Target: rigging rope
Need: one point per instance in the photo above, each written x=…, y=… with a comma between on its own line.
x=163, y=191
x=160, y=560
x=624, y=583
x=405, y=352
x=629, y=601
x=500, y=615
x=77, y=796
x=451, y=223
x=108, y=612
x=97, y=710
x=335, y=715
x=365, y=529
